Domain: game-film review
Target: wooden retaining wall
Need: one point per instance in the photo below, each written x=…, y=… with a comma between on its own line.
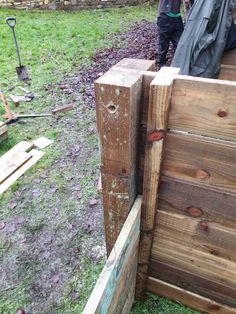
x=172, y=138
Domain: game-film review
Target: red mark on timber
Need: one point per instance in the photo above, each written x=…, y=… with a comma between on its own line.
x=155, y=136
x=202, y=174
x=203, y=225
x=195, y=212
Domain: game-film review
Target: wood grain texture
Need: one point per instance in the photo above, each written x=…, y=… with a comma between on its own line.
x=229, y=57
x=147, y=79
x=114, y=289
x=196, y=104
x=22, y=146
x=118, y=95
x=197, y=284
x=160, y=94
x=36, y=155
x=135, y=64
x=201, y=160
x=192, y=300
x=216, y=239
x=9, y=164
x=227, y=72
x=217, y=206
x=194, y=260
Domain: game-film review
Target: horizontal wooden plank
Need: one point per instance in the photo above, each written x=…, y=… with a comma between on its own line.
x=229, y=58
x=178, y=196
x=22, y=146
x=196, y=284
x=3, y=136
x=113, y=288
x=192, y=300
x=213, y=238
x=209, y=266
x=9, y=164
x=227, y=72
x=36, y=155
x=204, y=106
x=202, y=160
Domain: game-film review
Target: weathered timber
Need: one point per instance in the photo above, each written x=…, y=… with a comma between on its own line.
x=9, y=164
x=229, y=58
x=114, y=290
x=192, y=300
x=216, y=239
x=204, y=106
x=118, y=95
x=160, y=94
x=35, y=156
x=3, y=132
x=189, y=281
x=227, y=72
x=135, y=64
x=203, y=264
x=216, y=205
x=147, y=79
x=201, y=160
x=22, y=146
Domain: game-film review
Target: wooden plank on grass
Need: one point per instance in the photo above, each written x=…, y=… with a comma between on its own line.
x=118, y=95
x=201, y=160
x=204, y=107
x=22, y=146
x=9, y=164
x=160, y=94
x=190, y=299
x=35, y=156
x=114, y=290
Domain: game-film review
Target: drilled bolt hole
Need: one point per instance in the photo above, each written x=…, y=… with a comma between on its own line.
x=111, y=108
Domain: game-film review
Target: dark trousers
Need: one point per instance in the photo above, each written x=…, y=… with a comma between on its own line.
x=169, y=30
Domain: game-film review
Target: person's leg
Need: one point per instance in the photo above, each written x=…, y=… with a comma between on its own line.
x=163, y=39
x=177, y=31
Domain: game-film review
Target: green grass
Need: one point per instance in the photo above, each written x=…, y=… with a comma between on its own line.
x=54, y=44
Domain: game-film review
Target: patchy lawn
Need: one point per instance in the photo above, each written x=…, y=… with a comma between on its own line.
x=51, y=242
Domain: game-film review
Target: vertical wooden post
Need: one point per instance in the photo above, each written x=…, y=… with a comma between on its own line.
x=160, y=93
x=118, y=95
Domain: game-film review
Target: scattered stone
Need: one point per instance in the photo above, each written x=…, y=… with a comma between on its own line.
x=2, y=225
x=20, y=311
x=12, y=205
x=93, y=202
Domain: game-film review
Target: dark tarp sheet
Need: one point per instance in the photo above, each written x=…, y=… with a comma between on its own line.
x=203, y=41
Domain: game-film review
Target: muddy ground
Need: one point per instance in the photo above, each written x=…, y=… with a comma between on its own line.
x=56, y=227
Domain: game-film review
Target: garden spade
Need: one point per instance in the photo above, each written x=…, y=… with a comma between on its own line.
x=21, y=69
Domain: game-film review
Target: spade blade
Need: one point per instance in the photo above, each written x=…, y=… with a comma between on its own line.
x=22, y=73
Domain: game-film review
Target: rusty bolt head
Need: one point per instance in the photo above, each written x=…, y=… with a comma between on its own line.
x=202, y=174
x=195, y=212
